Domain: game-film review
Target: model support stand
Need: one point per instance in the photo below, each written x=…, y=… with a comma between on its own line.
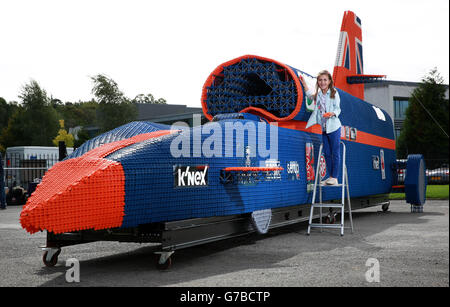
x=416, y=208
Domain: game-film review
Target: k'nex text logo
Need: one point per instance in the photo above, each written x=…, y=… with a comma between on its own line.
x=191, y=176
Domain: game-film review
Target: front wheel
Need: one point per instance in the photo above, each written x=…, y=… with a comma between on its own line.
x=53, y=260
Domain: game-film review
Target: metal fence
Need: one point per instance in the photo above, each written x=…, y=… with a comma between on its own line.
x=22, y=169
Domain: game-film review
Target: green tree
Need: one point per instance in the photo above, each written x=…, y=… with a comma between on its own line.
x=141, y=98
x=35, y=123
x=3, y=113
x=83, y=136
x=78, y=114
x=114, y=108
x=425, y=129
x=6, y=111
x=106, y=90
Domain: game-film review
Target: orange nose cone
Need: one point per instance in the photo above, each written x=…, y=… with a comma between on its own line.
x=87, y=192
x=77, y=194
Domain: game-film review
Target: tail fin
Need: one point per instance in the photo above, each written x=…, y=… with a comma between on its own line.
x=348, y=73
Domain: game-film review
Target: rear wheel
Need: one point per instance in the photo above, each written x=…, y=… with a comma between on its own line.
x=165, y=265
x=330, y=218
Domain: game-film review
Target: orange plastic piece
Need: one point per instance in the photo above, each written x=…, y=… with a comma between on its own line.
x=87, y=192
x=340, y=73
x=374, y=140
x=362, y=137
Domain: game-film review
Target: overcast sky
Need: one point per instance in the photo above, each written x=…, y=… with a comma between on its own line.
x=168, y=48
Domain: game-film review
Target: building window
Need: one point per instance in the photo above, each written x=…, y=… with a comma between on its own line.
x=400, y=106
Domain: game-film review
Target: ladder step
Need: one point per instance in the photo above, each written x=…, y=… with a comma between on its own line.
x=330, y=226
x=329, y=205
x=331, y=186
x=326, y=225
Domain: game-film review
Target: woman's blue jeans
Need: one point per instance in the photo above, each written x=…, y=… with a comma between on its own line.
x=331, y=151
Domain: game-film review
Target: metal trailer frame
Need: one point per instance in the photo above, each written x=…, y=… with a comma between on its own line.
x=180, y=234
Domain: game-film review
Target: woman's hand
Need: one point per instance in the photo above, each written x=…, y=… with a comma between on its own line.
x=300, y=77
x=329, y=114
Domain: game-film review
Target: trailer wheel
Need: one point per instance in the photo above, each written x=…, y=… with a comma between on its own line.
x=165, y=265
x=164, y=260
x=53, y=260
x=331, y=218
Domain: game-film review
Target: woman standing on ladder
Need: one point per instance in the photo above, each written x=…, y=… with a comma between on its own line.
x=326, y=112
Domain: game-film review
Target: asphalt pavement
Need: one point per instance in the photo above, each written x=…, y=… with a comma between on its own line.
x=394, y=248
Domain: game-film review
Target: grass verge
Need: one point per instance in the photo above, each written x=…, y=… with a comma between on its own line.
x=433, y=192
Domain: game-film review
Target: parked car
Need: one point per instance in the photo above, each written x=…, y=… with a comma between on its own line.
x=401, y=172
x=16, y=196
x=438, y=175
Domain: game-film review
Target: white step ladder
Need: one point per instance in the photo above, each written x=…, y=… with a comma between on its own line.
x=320, y=204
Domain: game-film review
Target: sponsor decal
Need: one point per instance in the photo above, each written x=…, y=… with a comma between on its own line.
x=375, y=162
x=274, y=174
x=309, y=151
x=293, y=170
x=190, y=176
x=353, y=132
x=348, y=133
x=383, y=172
x=323, y=167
